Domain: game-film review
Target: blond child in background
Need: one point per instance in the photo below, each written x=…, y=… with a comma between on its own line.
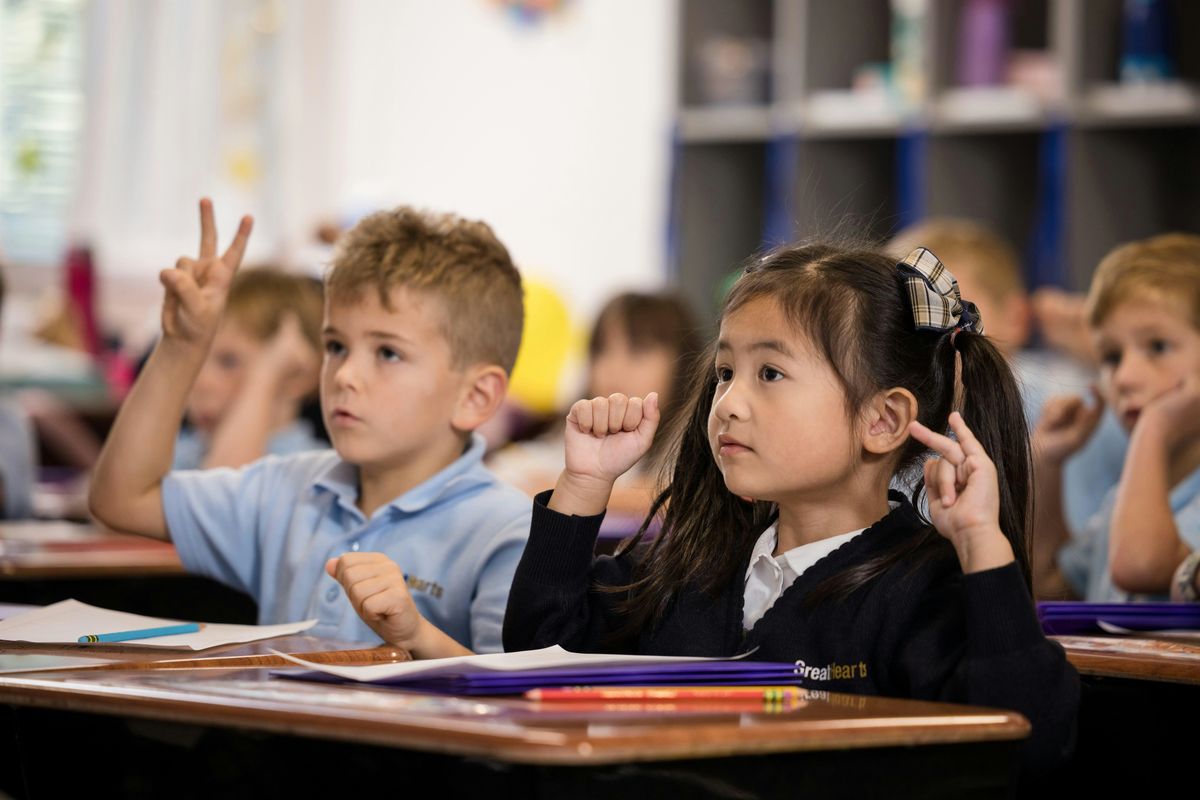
x=1144, y=312
x=397, y=533
x=989, y=271
x=263, y=363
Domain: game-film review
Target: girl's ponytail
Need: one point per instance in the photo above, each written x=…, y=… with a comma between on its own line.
x=992, y=408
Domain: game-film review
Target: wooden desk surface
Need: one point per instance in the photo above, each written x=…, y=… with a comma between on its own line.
x=42, y=550
x=25, y=658
x=510, y=730
x=1168, y=660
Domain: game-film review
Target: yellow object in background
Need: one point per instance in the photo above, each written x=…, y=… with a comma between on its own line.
x=549, y=342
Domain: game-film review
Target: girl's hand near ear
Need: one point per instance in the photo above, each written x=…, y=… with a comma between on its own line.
x=605, y=437
x=964, y=496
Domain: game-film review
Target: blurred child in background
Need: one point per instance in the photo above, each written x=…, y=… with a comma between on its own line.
x=263, y=365
x=18, y=454
x=640, y=343
x=989, y=271
x=1144, y=313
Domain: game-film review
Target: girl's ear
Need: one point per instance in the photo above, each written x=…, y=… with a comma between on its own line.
x=885, y=423
x=483, y=390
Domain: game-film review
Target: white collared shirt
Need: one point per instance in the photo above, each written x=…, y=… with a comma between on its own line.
x=769, y=576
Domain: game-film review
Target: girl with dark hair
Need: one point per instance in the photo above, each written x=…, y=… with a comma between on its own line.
x=833, y=372
x=641, y=342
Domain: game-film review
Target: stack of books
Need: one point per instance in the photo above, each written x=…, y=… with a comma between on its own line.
x=517, y=673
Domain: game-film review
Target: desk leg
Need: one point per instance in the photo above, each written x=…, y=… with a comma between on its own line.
x=1128, y=738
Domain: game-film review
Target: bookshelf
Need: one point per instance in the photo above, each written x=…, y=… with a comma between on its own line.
x=809, y=117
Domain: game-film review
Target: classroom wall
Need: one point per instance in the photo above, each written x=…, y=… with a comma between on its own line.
x=558, y=133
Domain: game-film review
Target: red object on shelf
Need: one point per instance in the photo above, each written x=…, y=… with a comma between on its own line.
x=81, y=294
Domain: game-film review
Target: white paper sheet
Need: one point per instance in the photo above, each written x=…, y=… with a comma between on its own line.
x=1185, y=634
x=64, y=622
x=547, y=657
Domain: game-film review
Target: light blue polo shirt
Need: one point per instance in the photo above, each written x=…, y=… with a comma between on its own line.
x=1096, y=467
x=191, y=446
x=1084, y=559
x=269, y=527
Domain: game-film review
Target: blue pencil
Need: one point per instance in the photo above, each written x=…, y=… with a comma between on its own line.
x=144, y=633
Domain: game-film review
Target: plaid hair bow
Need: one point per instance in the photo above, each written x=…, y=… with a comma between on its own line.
x=933, y=295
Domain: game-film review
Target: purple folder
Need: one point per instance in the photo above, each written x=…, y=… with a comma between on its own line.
x=492, y=682
x=1066, y=618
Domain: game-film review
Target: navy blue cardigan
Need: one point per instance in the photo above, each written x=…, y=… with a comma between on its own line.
x=923, y=629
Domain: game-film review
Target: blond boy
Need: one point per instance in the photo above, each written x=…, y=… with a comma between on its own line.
x=1054, y=388
x=1144, y=313
x=422, y=323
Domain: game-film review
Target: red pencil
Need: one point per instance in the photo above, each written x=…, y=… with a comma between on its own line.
x=748, y=706
x=690, y=693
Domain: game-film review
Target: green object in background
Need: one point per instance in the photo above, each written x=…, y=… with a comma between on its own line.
x=29, y=157
x=721, y=290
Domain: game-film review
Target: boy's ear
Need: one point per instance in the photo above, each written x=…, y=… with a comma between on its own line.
x=483, y=390
x=886, y=418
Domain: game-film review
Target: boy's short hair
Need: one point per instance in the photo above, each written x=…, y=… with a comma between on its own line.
x=1167, y=265
x=970, y=247
x=260, y=297
x=457, y=260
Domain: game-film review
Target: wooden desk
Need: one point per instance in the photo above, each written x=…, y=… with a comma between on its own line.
x=42, y=562
x=1136, y=691
x=38, y=550
x=1169, y=660
x=351, y=734
x=28, y=659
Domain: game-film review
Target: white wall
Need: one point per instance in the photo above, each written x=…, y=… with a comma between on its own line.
x=557, y=134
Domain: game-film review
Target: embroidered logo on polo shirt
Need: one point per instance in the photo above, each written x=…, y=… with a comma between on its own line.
x=430, y=588
x=832, y=671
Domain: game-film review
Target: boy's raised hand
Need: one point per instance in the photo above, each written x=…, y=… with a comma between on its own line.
x=196, y=288
x=964, y=496
x=1065, y=425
